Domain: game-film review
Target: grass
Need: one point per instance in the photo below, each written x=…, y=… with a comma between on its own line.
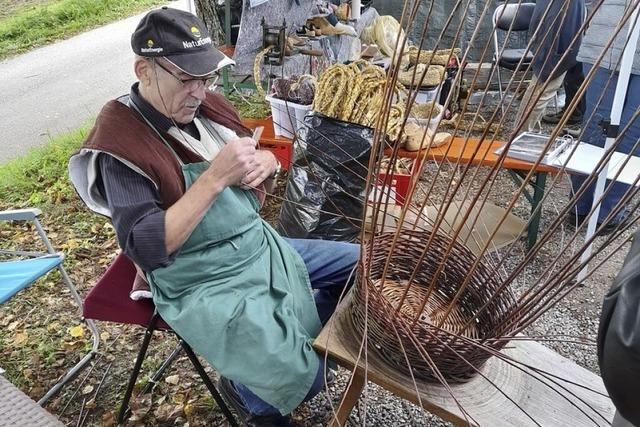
x=250, y=106
x=40, y=177
x=36, y=345
x=33, y=26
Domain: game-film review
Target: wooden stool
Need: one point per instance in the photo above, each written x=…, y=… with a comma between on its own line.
x=486, y=405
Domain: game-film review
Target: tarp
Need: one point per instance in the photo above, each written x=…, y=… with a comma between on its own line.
x=438, y=17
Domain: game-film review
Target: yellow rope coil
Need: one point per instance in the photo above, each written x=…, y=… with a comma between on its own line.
x=355, y=93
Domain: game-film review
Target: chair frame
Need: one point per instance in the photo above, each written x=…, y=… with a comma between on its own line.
x=31, y=215
x=109, y=301
x=497, y=52
x=155, y=378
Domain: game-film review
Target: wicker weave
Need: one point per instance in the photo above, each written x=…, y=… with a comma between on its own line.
x=388, y=332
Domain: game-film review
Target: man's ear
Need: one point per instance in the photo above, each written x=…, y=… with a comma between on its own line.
x=143, y=70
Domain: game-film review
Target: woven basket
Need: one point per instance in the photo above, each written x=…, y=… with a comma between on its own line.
x=393, y=334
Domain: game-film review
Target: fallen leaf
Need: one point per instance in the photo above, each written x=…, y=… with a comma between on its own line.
x=172, y=379
x=140, y=406
x=20, y=338
x=87, y=389
x=13, y=325
x=6, y=320
x=76, y=331
x=38, y=391
x=109, y=419
x=70, y=346
x=71, y=244
x=53, y=327
x=189, y=409
x=167, y=411
x=91, y=404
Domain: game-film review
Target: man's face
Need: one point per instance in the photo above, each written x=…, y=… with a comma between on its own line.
x=174, y=93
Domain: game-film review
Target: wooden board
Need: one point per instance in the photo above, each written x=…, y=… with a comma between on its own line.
x=464, y=151
x=483, y=402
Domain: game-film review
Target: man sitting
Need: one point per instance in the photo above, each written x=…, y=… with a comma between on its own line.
x=176, y=171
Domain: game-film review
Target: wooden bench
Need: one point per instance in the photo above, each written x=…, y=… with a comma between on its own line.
x=487, y=405
x=459, y=150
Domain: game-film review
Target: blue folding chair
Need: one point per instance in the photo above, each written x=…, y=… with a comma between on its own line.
x=23, y=268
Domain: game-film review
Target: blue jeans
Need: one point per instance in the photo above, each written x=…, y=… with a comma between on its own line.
x=331, y=267
x=594, y=135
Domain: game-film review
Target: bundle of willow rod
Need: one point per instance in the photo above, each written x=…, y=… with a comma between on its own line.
x=439, y=57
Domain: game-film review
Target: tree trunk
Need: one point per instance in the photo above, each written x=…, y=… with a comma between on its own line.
x=206, y=10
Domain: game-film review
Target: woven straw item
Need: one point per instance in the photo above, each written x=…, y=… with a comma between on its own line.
x=451, y=348
x=441, y=57
x=413, y=78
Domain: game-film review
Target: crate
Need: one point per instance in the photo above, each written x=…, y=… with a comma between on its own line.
x=282, y=150
x=397, y=187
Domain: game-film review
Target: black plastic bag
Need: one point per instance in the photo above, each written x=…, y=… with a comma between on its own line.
x=325, y=189
x=619, y=337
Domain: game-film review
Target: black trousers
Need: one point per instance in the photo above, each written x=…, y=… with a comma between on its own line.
x=572, y=81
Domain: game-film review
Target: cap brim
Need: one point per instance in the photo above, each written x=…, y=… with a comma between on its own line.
x=202, y=63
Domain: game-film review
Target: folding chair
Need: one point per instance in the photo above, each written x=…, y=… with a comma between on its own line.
x=109, y=301
x=24, y=268
x=515, y=18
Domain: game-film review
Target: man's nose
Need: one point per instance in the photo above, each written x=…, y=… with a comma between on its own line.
x=200, y=92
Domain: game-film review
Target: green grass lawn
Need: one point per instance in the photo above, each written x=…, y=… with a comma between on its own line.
x=40, y=177
x=34, y=24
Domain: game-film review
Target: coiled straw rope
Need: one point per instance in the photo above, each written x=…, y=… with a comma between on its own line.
x=355, y=93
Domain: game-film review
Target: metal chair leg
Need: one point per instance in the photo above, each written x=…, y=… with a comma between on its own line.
x=124, y=407
x=207, y=381
x=95, y=335
x=500, y=88
x=157, y=376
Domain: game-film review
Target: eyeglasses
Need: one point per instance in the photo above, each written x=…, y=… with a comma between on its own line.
x=191, y=83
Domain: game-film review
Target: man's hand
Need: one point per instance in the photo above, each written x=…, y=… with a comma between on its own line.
x=264, y=164
x=234, y=162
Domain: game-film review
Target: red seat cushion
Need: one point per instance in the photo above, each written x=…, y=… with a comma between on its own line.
x=109, y=299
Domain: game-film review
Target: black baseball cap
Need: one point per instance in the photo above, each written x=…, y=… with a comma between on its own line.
x=181, y=38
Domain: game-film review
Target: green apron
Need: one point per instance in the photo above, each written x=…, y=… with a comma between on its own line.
x=240, y=296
